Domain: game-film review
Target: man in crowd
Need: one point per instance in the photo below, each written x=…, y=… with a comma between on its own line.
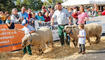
x=23, y=14
x=61, y=16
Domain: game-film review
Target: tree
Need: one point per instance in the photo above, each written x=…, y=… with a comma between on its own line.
x=6, y=5
x=33, y=4
x=52, y=2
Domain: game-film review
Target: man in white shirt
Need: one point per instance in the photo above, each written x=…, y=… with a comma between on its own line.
x=61, y=15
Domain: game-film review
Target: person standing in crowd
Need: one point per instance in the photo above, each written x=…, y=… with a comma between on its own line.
x=32, y=20
x=29, y=14
x=49, y=9
x=23, y=14
x=43, y=10
x=40, y=18
x=70, y=10
x=15, y=17
x=75, y=15
x=61, y=16
x=88, y=11
x=6, y=13
x=47, y=17
x=103, y=13
x=9, y=23
x=99, y=13
x=3, y=17
x=83, y=16
x=82, y=39
x=0, y=17
x=51, y=12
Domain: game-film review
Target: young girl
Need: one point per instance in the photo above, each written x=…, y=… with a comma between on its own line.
x=82, y=38
x=9, y=23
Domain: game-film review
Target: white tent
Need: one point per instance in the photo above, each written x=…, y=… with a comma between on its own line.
x=82, y=2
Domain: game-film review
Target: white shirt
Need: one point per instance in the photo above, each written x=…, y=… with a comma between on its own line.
x=82, y=39
x=14, y=19
x=61, y=16
x=27, y=29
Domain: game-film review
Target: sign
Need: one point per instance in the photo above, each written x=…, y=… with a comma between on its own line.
x=54, y=29
x=99, y=20
x=10, y=39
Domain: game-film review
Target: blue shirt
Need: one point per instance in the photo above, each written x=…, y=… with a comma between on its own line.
x=0, y=21
x=41, y=18
x=24, y=15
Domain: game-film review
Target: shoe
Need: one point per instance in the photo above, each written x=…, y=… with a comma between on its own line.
x=83, y=52
x=30, y=54
x=79, y=52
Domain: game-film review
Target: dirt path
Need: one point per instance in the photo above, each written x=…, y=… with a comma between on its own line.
x=60, y=53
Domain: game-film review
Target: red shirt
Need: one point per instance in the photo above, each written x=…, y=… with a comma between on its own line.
x=75, y=15
x=103, y=13
x=47, y=18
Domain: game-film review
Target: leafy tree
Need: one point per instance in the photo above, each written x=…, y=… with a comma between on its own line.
x=6, y=5
x=33, y=4
x=52, y=2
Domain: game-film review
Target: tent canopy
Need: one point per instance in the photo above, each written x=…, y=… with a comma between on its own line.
x=82, y=2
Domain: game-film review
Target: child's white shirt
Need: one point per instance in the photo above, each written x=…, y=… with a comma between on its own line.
x=81, y=40
x=26, y=30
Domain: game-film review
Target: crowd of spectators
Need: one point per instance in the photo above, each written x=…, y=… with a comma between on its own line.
x=77, y=15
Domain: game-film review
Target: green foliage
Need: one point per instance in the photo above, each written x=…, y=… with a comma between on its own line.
x=6, y=5
x=33, y=4
x=52, y=2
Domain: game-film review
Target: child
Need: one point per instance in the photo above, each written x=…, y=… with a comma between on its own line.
x=32, y=20
x=28, y=30
x=82, y=38
x=9, y=23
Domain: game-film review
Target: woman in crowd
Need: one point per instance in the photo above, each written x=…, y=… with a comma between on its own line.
x=15, y=17
x=32, y=20
x=3, y=17
x=40, y=18
x=75, y=15
x=43, y=10
x=83, y=16
x=70, y=10
x=47, y=17
x=9, y=23
x=29, y=14
x=51, y=12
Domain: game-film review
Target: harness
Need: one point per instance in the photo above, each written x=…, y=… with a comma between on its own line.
x=71, y=31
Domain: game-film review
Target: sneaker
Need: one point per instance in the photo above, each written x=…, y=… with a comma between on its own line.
x=79, y=52
x=83, y=52
x=30, y=53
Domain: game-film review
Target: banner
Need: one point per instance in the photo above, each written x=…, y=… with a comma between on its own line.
x=10, y=39
x=54, y=29
x=99, y=20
